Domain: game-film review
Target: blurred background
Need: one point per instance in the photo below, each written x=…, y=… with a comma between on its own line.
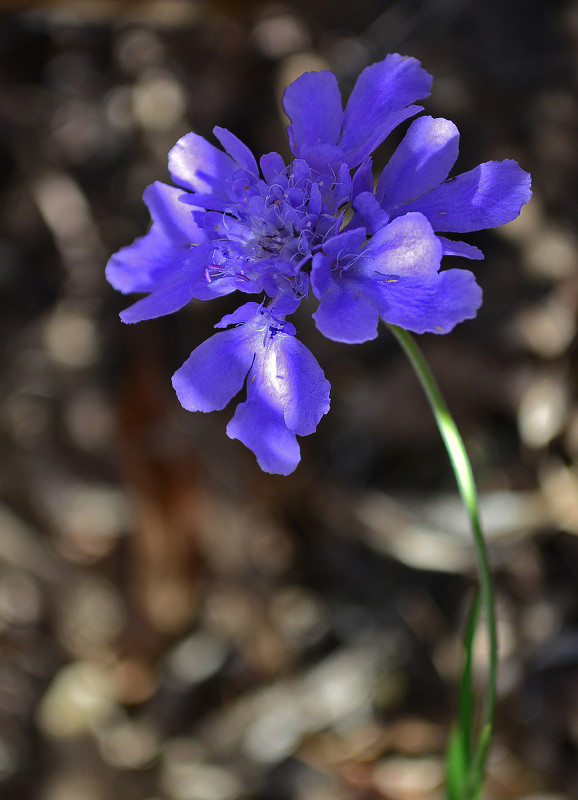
x=176, y=625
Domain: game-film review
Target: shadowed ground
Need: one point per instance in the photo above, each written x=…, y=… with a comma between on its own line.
x=176, y=625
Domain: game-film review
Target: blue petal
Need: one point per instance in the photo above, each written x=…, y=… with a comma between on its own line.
x=341, y=190
x=272, y=165
x=370, y=212
x=237, y=149
x=346, y=242
x=486, y=197
x=313, y=104
x=216, y=370
x=165, y=300
x=151, y=260
x=346, y=315
x=205, y=200
x=321, y=274
x=461, y=249
x=363, y=178
x=407, y=246
x=291, y=376
x=288, y=301
x=436, y=305
x=422, y=161
x=178, y=275
x=175, y=217
x=379, y=102
x=287, y=394
x=245, y=313
x=197, y=164
x=261, y=428
x=326, y=159
x=147, y=263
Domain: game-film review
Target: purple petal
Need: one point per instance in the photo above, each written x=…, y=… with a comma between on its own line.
x=422, y=161
x=313, y=104
x=261, y=428
x=292, y=376
x=237, y=149
x=288, y=301
x=461, y=249
x=379, y=102
x=245, y=313
x=177, y=275
x=341, y=190
x=198, y=165
x=346, y=315
x=346, y=242
x=146, y=263
x=205, y=200
x=227, y=226
x=363, y=179
x=287, y=394
x=152, y=259
x=215, y=371
x=174, y=216
x=407, y=246
x=320, y=274
x=272, y=165
x=164, y=300
x=370, y=212
x=436, y=305
x=326, y=159
x=486, y=197
x=315, y=200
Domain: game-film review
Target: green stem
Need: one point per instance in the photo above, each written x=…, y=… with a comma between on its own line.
x=467, y=488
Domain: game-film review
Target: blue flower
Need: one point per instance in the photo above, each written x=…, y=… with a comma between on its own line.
x=276, y=230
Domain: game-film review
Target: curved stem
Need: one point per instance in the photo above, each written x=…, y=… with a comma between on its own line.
x=467, y=488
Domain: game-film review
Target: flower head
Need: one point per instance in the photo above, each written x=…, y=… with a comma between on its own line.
x=277, y=230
